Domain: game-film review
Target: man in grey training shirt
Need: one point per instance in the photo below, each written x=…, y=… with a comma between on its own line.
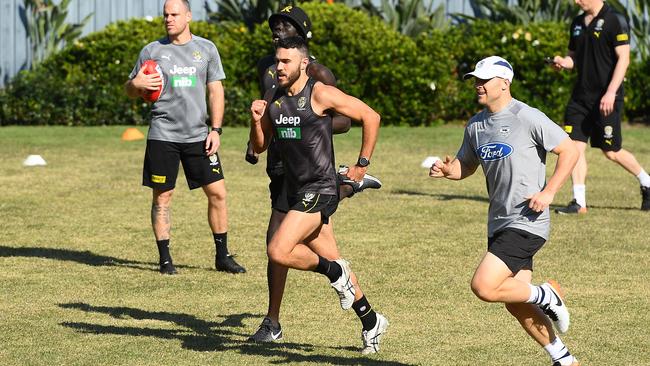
x=190, y=66
x=509, y=140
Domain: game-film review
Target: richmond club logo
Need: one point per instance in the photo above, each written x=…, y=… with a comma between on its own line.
x=494, y=151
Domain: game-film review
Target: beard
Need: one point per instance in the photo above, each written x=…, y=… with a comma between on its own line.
x=291, y=78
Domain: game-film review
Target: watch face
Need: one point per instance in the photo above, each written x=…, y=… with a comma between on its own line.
x=363, y=162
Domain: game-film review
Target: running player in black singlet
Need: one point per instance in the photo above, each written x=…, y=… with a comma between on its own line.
x=298, y=115
x=290, y=21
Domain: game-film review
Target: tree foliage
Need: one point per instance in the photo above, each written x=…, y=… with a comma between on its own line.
x=249, y=12
x=47, y=29
x=409, y=17
x=523, y=11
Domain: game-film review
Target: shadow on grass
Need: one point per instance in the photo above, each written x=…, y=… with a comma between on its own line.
x=450, y=197
x=82, y=257
x=598, y=207
x=442, y=197
x=200, y=335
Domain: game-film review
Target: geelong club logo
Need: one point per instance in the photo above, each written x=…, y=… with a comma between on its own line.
x=494, y=151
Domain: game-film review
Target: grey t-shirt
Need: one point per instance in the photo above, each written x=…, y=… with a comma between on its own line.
x=511, y=147
x=180, y=114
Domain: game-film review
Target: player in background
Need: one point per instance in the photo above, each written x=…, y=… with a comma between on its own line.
x=599, y=48
x=190, y=66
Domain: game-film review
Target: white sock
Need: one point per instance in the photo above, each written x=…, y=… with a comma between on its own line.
x=558, y=352
x=644, y=178
x=535, y=294
x=539, y=295
x=579, y=193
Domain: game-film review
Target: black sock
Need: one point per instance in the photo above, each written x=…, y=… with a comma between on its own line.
x=365, y=313
x=330, y=269
x=163, y=250
x=221, y=244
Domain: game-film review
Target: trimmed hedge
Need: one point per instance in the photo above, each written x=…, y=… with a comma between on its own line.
x=534, y=83
x=83, y=84
x=408, y=81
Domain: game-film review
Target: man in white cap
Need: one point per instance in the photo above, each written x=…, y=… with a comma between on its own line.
x=509, y=140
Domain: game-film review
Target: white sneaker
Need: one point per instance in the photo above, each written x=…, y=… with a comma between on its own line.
x=343, y=286
x=372, y=337
x=556, y=310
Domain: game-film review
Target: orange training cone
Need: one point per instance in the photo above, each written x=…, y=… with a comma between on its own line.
x=132, y=134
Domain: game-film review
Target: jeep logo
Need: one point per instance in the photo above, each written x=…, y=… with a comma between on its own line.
x=176, y=70
x=284, y=120
x=494, y=151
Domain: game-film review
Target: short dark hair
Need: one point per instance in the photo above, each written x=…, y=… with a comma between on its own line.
x=294, y=42
x=186, y=3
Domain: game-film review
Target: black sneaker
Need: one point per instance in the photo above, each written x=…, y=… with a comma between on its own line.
x=572, y=208
x=267, y=332
x=228, y=264
x=368, y=181
x=575, y=363
x=168, y=268
x=645, y=196
x=251, y=156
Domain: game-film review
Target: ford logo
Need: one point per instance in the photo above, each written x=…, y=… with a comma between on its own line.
x=494, y=151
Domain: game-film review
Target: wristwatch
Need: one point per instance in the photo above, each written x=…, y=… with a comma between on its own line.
x=218, y=129
x=363, y=162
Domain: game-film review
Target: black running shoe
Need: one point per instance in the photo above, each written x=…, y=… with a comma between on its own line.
x=645, y=196
x=228, y=264
x=575, y=363
x=572, y=208
x=167, y=268
x=251, y=156
x=267, y=332
x=368, y=181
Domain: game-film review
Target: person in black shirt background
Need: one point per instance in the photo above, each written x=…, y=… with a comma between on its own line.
x=599, y=48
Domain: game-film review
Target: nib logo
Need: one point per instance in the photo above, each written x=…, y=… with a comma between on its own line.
x=289, y=133
x=183, y=77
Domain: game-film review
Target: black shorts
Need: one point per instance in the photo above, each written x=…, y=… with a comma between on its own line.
x=315, y=202
x=515, y=248
x=583, y=121
x=278, y=189
x=161, y=160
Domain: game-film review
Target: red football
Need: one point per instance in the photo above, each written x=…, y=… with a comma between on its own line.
x=151, y=67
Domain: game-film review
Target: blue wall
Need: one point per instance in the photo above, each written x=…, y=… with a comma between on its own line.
x=15, y=52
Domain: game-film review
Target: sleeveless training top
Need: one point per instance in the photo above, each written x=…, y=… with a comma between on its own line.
x=268, y=81
x=304, y=142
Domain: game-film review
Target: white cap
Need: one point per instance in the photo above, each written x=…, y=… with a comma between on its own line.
x=492, y=67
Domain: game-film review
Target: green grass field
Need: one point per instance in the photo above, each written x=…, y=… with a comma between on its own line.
x=79, y=282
